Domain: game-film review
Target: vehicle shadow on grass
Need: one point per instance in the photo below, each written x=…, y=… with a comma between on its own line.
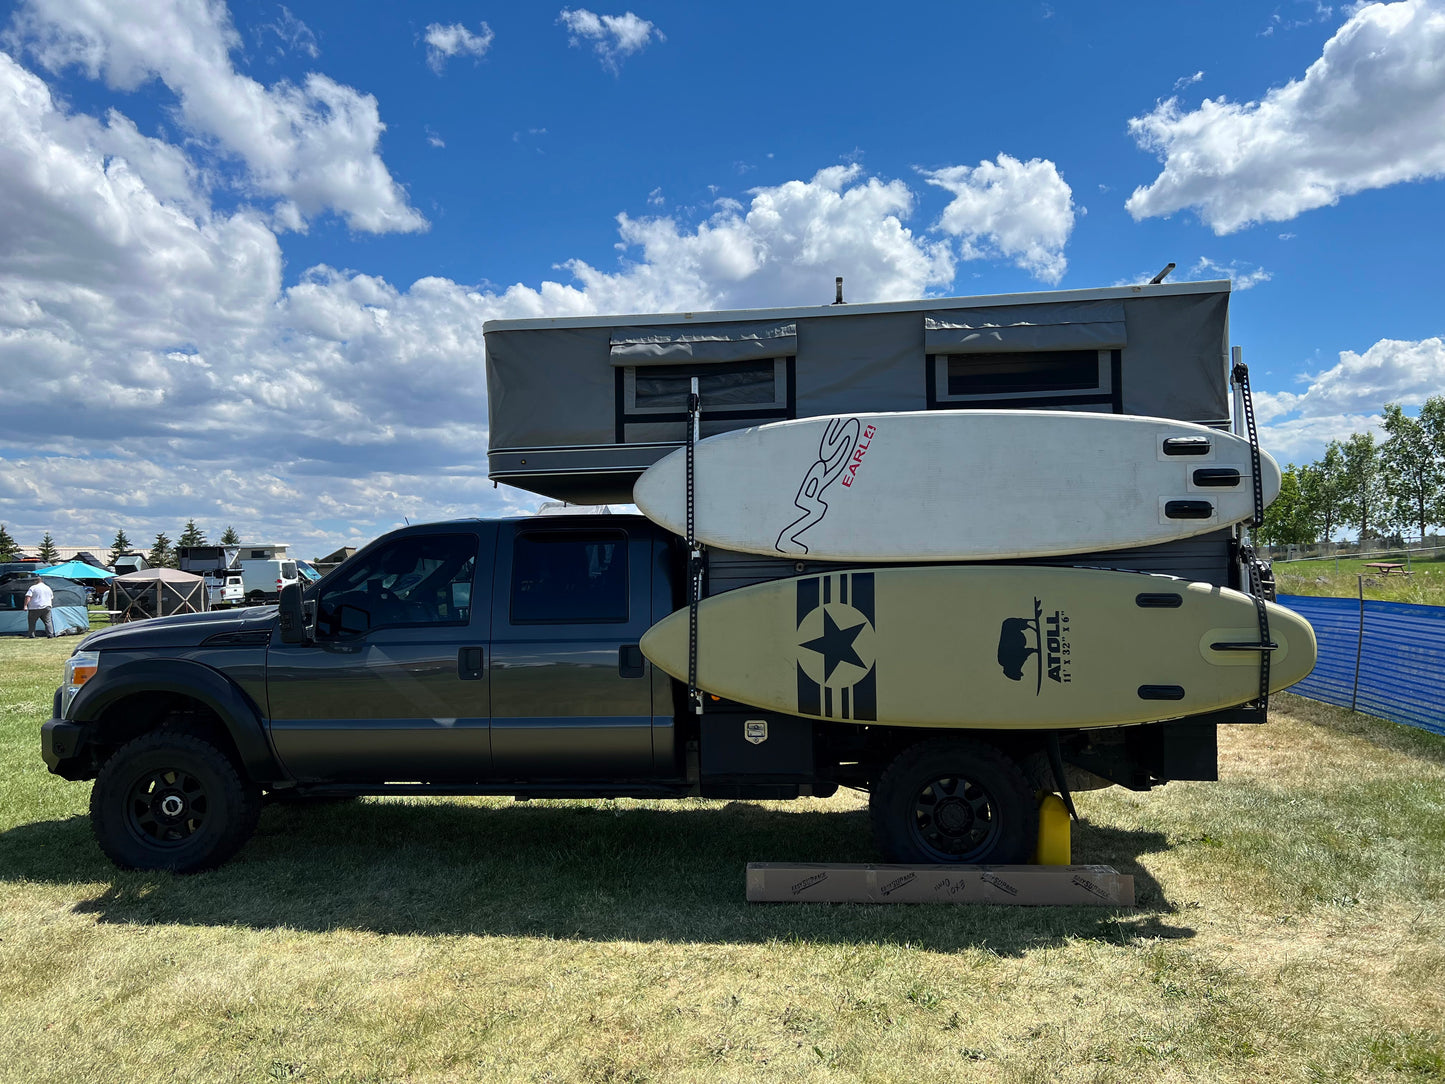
x=578, y=871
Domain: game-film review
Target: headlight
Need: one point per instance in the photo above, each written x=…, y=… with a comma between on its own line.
x=79, y=669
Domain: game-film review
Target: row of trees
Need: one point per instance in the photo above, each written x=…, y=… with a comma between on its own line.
x=1373, y=487
x=162, y=553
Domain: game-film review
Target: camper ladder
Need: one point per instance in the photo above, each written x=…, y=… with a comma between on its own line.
x=1239, y=375
x=694, y=551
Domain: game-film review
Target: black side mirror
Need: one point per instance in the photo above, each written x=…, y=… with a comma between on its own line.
x=293, y=617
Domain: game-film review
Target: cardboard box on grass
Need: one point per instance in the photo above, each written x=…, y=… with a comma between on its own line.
x=780, y=882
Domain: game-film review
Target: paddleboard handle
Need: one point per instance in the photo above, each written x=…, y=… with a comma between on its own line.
x=1227, y=646
x=1187, y=446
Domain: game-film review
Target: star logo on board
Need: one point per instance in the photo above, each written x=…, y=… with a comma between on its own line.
x=836, y=645
x=836, y=664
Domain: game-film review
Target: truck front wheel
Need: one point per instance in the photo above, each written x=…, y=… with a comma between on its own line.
x=173, y=801
x=954, y=800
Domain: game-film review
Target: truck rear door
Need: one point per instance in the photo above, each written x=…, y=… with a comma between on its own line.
x=571, y=691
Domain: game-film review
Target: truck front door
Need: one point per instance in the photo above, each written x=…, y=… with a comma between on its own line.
x=571, y=692
x=395, y=687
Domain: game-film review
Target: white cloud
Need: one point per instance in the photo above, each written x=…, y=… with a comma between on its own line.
x=614, y=37
x=433, y=139
x=1348, y=397
x=1242, y=275
x=170, y=373
x=445, y=42
x=1392, y=370
x=1020, y=211
x=314, y=145
x=786, y=249
x=1365, y=115
x=1188, y=80
x=293, y=34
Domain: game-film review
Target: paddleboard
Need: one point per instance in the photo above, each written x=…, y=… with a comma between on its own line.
x=1012, y=647
x=957, y=485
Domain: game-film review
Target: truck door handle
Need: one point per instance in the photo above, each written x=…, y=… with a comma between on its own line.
x=471, y=663
x=630, y=663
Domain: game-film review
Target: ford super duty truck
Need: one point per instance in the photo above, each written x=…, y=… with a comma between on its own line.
x=482, y=657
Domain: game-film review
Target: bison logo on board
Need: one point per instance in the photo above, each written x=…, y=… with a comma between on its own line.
x=1049, y=650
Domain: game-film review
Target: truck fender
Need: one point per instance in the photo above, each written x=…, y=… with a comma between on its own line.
x=237, y=712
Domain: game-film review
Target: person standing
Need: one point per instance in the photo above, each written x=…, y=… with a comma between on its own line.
x=37, y=607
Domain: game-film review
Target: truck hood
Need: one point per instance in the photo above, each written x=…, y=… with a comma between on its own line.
x=182, y=630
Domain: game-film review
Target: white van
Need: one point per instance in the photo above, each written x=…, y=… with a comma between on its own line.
x=262, y=580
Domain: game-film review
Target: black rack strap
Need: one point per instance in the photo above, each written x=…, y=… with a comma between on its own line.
x=1240, y=375
x=694, y=551
x=1241, y=380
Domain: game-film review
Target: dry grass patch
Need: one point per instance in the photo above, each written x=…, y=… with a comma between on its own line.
x=1288, y=929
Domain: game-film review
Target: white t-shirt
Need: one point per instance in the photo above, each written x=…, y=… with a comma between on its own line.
x=39, y=597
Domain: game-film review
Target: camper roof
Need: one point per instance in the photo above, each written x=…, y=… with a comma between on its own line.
x=1109, y=293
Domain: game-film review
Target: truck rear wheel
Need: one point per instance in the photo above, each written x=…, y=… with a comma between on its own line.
x=954, y=800
x=172, y=801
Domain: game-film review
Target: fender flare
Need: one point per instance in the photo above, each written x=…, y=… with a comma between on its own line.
x=238, y=713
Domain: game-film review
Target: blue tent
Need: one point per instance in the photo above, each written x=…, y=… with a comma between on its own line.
x=67, y=610
x=76, y=570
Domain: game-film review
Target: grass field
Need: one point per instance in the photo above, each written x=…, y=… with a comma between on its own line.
x=1424, y=586
x=1289, y=928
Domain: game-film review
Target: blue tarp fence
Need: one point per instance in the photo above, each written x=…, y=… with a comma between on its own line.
x=1382, y=658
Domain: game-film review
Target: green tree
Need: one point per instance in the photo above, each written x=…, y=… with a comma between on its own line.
x=1364, y=485
x=48, y=553
x=119, y=546
x=1414, y=475
x=192, y=535
x=161, y=554
x=230, y=538
x=1288, y=520
x=1322, y=484
x=8, y=547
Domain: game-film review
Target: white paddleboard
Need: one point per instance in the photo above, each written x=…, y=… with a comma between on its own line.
x=957, y=485
x=1012, y=647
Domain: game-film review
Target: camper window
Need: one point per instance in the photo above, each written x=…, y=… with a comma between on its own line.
x=662, y=389
x=1053, y=377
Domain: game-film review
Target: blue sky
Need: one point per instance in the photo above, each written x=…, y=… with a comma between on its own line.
x=246, y=251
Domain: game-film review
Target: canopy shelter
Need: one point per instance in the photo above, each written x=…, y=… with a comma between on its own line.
x=76, y=570
x=157, y=592
x=67, y=609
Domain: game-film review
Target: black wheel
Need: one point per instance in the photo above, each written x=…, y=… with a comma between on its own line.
x=173, y=801
x=954, y=800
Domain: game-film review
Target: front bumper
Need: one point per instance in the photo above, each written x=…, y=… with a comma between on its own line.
x=61, y=742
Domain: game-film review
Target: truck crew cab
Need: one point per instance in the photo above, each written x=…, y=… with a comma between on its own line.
x=501, y=657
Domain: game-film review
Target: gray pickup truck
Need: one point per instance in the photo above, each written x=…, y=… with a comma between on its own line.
x=501, y=658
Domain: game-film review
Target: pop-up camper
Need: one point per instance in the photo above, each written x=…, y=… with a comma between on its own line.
x=578, y=407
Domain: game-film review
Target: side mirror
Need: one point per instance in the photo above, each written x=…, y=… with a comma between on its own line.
x=293, y=617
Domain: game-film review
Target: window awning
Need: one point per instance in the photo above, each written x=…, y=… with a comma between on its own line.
x=702, y=344
x=1077, y=325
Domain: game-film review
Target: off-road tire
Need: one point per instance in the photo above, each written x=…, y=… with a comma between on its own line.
x=954, y=800
x=170, y=800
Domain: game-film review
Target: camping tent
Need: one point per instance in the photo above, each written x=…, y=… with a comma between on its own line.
x=156, y=592
x=67, y=610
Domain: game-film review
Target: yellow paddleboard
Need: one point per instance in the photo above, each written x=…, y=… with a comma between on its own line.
x=1017, y=647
